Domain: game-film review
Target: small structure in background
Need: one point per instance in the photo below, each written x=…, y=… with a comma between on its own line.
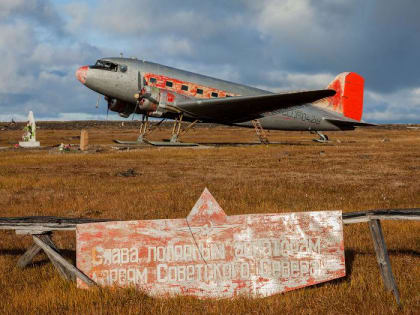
x=29, y=137
x=84, y=140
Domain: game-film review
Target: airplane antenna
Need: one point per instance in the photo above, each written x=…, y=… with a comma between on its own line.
x=97, y=102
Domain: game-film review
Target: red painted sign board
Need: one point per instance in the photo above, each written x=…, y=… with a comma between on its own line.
x=210, y=254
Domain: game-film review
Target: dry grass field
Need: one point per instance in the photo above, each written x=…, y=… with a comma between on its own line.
x=359, y=170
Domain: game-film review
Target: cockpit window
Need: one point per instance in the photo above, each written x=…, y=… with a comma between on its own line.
x=105, y=65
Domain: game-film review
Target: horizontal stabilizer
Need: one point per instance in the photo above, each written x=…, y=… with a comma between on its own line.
x=348, y=123
x=244, y=108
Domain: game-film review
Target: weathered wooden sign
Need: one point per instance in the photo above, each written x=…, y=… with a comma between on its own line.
x=210, y=254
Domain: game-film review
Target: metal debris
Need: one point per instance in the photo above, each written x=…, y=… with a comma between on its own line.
x=131, y=172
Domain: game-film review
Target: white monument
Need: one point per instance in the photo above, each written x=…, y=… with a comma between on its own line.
x=29, y=137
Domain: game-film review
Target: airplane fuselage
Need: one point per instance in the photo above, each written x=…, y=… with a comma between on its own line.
x=121, y=79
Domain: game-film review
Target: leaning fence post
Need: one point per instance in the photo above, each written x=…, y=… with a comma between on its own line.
x=27, y=257
x=383, y=258
x=55, y=256
x=62, y=270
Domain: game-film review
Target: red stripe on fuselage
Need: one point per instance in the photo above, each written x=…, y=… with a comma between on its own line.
x=177, y=87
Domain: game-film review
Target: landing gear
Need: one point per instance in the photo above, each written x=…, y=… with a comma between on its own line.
x=144, y=128
x=176, y=129
x=322, y=138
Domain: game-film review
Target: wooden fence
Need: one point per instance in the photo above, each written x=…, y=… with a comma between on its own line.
x=41, y=228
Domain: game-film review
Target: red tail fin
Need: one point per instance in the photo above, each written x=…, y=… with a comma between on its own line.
x=349, y=98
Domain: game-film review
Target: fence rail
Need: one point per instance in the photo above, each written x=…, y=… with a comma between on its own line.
x=381, y=214
x=51, y=223
x=44, y=223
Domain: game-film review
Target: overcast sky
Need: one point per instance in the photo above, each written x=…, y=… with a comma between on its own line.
x=272, y=44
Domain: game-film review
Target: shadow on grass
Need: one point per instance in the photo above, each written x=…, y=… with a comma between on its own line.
x=404, y=252
x=239, y=144
x=350, y=255
x=68, y=254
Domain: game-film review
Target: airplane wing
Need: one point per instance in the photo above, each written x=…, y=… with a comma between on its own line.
x=243, y=108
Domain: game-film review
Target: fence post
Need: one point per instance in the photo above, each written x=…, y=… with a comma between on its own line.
x=64, y=267
x=27, y=257
x=382, y=258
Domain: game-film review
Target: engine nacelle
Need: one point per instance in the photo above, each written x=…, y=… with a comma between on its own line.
x=116, y=105
x=148, y=99
x=121, y=107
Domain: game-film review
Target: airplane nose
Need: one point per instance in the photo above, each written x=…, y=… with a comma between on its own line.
x=81, y=74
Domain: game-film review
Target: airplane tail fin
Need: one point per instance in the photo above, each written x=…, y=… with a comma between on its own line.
x=348, y=101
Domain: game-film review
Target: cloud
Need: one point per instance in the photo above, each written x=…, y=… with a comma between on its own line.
x=38, y=62
x=374, y=38
x=15, y=41
x=284, y=80
x=39, y=11
x=402, y=105
x=276, y=45
x=202, y=31
x=176, y=46
x=147, y=17
x=77, y=17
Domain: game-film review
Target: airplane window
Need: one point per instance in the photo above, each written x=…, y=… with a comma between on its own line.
x=184, y=87
x=214, y=94
x=169, y=84
x=152, y=80
x=199, y=91
x=105, y=65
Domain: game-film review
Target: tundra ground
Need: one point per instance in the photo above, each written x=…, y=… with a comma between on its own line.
x=365, y=169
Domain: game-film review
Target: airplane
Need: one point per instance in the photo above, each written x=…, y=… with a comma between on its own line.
x=132, y=86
